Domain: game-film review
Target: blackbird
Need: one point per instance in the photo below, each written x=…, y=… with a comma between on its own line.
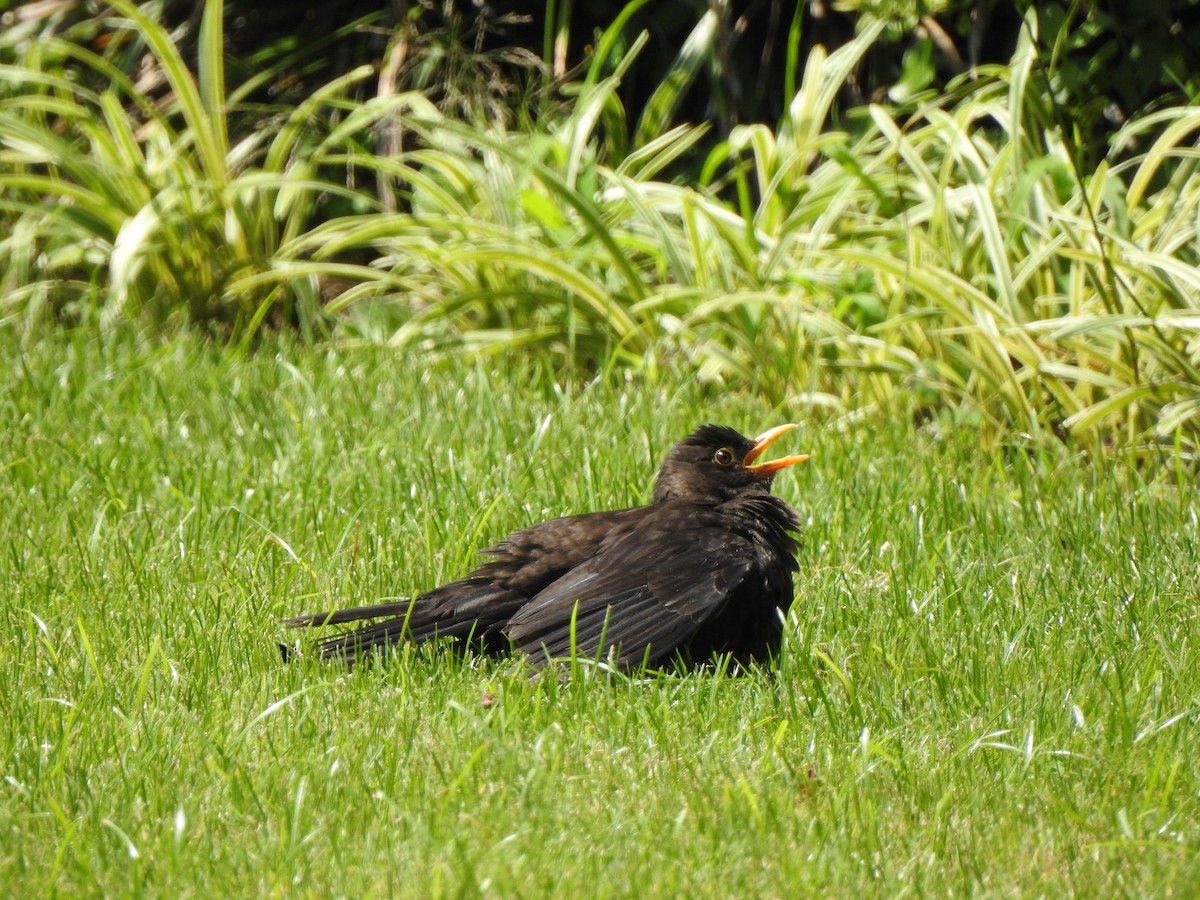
x=704, y=569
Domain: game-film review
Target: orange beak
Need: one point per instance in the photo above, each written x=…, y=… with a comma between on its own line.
x=761, y=443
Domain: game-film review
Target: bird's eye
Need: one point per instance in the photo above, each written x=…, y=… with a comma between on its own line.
x=723, y=457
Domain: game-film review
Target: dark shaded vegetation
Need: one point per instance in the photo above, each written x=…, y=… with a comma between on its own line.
x=1108, y=61
x=1111, y=61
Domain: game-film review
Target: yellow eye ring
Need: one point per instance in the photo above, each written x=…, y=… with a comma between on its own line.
x=723, y=457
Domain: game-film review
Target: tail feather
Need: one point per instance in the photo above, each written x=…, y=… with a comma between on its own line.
x=354, y=644
x=354, y=614
x=464, y=611
x=397, y=624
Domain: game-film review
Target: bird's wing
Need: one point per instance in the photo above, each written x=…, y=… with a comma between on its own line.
x=645, y=590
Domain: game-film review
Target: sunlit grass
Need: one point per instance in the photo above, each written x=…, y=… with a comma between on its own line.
x=989, y=684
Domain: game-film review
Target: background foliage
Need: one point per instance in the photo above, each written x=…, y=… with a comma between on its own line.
x=980, y=211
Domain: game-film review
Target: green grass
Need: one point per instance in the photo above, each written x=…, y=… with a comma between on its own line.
x=990, y=684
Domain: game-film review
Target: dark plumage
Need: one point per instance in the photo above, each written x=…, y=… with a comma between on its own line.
x=704, y=569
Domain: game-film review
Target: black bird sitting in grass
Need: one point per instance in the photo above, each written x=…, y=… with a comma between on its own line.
x=705, y=569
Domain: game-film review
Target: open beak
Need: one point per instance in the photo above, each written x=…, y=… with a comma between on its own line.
x=761, y=443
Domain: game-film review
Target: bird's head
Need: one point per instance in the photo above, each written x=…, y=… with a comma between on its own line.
x=718, y=463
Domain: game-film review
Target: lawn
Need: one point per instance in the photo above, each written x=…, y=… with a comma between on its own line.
x=989, y=685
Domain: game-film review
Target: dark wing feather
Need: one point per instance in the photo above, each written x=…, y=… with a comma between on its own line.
x=641, y=591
